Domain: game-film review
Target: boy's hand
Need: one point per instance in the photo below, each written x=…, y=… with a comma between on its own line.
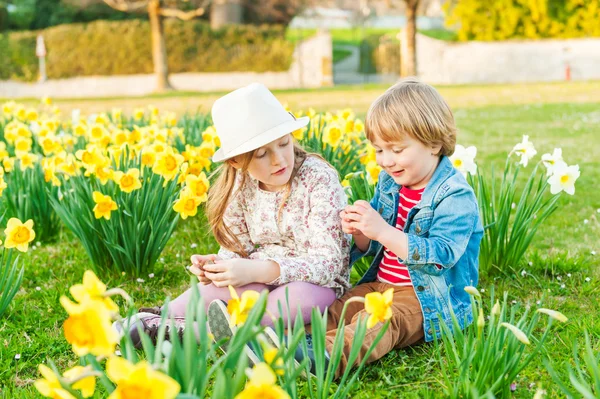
x=346, y=224
x=365, y=219
x=197, y=268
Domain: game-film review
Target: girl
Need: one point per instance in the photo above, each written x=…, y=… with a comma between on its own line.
x=274, y=210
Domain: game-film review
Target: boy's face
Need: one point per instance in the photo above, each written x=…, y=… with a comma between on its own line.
x=408, y=161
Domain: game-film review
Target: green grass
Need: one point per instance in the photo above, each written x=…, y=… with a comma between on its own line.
x=560, y=254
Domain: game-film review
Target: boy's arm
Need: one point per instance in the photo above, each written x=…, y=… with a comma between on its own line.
x=449, y=234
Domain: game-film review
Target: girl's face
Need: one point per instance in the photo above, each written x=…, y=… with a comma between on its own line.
x=272, y=164
x=409, y=162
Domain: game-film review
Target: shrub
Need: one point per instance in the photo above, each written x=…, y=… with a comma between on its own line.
x=124, y=47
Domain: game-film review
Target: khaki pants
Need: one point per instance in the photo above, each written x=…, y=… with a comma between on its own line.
x=406, y=324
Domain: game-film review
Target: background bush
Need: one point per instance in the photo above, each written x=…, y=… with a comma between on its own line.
x=124, y=47
x=490, y=20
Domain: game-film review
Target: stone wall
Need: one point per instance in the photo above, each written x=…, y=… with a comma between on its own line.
x=311, y=67
x=512, y=61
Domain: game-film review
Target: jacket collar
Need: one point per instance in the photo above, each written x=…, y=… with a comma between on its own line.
x=442, y=172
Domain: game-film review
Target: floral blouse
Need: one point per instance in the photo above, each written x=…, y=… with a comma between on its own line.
x=307, y=240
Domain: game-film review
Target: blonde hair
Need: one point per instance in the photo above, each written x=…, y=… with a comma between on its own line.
x=413, y=108
x=221, y=192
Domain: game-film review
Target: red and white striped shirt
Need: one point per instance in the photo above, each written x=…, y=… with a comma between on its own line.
x=391, y=271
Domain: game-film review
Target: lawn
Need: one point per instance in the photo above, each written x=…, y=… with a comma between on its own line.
x=559, y=263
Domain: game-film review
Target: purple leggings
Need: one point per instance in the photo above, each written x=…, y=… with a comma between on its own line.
x=305, y=295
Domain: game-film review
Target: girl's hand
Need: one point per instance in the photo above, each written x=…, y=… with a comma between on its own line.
x=367, y=220
x=235, y=272
x=198, y=263
x=347, y=224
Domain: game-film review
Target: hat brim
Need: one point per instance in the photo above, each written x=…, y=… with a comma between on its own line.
x=262, y=139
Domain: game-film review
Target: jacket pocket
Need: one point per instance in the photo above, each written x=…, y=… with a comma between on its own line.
x=421, y=223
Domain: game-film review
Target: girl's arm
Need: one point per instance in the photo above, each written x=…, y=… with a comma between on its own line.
x=361, y=241
x=235, y=219
x=326, y=255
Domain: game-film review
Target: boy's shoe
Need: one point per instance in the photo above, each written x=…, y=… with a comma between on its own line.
x=310, y=353
x=220, y=327
x=149, y=323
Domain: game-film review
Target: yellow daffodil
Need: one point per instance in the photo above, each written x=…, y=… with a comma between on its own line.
x=262, y=385
x=104, y=205
x=148, y=157
x=92, y=288
x=87, y=385
x=22, y=145
x=198, y=185
x=270, y=354
x=332, y=135
x=46, y=100
x=187, y=204
x=299, y=133
x=32, y=115
x=49, y=386
x=117, y=114
x=207, y=150
x=373, y=170
x=239, y=308
x=167, y=164
x=138, y=114
x=19, y=234
x=8, y=164
x=27, y=160
x=379, y=306
x=139, y=380
x=88, y=328
x=209, y=134
x=129, y=181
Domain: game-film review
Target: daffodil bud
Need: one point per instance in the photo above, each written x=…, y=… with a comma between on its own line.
x=472, y=291
x=480, y=319
x=496, y=309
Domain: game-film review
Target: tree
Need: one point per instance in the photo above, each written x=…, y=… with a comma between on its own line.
x=275, y=11
x=408, y=53
x=157, y=10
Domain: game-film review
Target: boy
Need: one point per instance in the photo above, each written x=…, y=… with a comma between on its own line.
x=422, y=225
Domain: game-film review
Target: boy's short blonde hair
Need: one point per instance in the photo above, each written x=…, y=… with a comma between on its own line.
x=413, y=108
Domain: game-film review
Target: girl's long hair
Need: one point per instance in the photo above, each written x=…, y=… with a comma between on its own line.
x=221, y=193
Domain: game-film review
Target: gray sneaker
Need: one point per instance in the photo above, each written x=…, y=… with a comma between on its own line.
x=149, y=323
x=220, y=327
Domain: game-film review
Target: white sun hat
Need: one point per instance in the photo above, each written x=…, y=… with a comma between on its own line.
x=249, y=118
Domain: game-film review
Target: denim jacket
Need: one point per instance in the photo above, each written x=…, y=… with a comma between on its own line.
x=444, y=233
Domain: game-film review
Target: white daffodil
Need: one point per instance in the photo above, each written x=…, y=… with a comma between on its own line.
x=563, y=179
x=463, y=159
x=525, y=150
x=550, y=161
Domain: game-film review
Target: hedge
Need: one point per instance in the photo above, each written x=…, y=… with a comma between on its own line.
x=124, y=47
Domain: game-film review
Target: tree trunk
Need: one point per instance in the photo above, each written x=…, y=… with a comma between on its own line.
x=159, y=49
x=408, y=56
